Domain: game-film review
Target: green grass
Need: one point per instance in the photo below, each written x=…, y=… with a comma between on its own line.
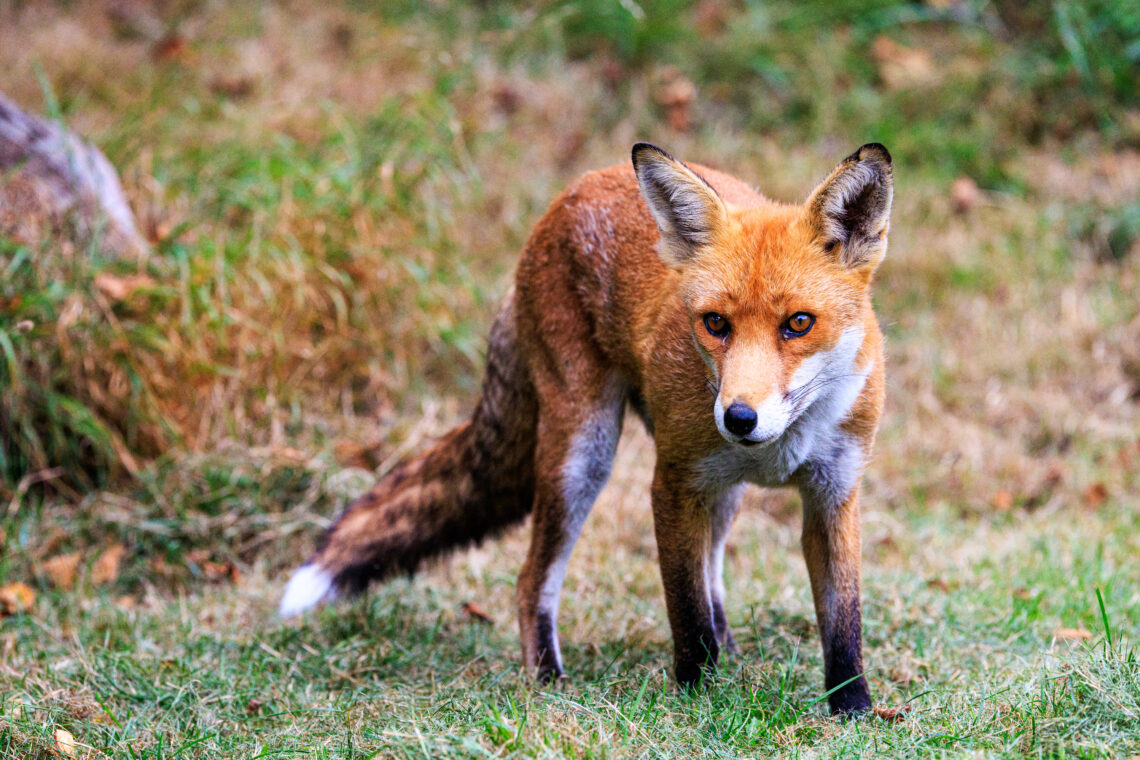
x=960, y=625
x=336, y=197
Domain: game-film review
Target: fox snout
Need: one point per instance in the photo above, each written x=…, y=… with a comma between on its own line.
x=741, y=422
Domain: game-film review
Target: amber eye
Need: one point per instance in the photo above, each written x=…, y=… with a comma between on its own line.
x=798, y=324
x=716, y=324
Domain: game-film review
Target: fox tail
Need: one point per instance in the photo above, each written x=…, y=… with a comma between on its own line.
x=477, y=481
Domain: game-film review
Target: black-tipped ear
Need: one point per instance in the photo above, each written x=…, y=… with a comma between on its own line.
x=851, y=208
x=687, y=210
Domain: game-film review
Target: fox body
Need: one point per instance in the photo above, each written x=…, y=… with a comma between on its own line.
x=740, y=330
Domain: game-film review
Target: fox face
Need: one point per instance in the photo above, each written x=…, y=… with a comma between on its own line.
x=775, y=296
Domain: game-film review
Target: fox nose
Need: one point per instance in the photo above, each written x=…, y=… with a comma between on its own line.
x=740, y=419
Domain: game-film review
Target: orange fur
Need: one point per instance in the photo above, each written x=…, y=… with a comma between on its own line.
x=611, y=309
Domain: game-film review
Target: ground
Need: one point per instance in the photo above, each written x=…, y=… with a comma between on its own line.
x=335, y=197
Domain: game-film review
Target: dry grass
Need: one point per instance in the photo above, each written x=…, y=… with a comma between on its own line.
x=336, y=196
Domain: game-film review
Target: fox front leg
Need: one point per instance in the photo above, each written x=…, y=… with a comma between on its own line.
x=831, y=544
x=683, y=524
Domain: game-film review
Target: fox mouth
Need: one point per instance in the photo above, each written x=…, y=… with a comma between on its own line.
x=750, y=442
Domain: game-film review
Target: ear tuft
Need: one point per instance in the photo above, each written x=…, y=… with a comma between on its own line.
x=852, y=207
x=687, y=210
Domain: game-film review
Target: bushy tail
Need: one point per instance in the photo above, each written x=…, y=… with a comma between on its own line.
x=474, y=483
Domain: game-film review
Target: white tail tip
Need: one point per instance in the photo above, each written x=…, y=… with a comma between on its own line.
x=308, y=587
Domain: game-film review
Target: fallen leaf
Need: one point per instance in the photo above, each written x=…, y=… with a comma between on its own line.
x=366, y=456
x=901, y=67
x=1003, y=500
x=126, y=602
x=476, y=613
x=62, y=569
x=903, y=673
x=1072, y=634
x=507, y=98
x=569, y=147
x=232, y=85
x=220, y=571
x=964, y=194
x=253, y=706
x=1095, y=495
x=64, y=742
x=106, y=568
x=710, y=17
x=170, y=47
x=342, y=37
x=16, y=598
x=893, y=714
x=676, y=93
x=938, y=583
x=211, y=570
x=122, y=288
x=287, y=453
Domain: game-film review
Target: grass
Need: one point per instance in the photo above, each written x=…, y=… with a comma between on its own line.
x=335, y=196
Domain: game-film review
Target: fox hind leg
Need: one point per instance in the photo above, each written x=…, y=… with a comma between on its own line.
x=574, y=455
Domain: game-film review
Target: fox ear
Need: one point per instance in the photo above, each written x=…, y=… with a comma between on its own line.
x=687, y=210
x=851, y=208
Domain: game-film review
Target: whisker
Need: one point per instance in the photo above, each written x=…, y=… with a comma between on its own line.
x=816, y=383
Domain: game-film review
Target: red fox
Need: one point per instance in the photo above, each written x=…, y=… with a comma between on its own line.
x=738, y=329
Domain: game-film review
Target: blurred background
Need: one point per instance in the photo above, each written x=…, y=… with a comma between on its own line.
x=333, y=197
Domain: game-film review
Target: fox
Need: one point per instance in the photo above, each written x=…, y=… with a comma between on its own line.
x=739, y=329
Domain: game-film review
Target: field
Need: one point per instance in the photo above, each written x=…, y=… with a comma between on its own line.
x=335, y=196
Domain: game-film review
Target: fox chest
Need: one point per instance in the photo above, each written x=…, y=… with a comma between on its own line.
x=815, y=452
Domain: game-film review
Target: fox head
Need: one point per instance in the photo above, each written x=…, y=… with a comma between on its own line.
x=776, y=295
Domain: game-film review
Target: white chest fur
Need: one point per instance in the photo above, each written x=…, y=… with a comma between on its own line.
x=814, y=438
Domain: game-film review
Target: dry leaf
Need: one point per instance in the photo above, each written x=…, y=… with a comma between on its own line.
x=893, y=714
x=903, y=673
x=676, y=94
x=710, y=17
x=1003, y=500
x=476, y=613
x=366, y=456
x=122, y=288
x=126, y=602
x=1072, y=634
x=62, y=569
x=901, y=67
x=964, y=194
x=1095, y=495
x=64, y=742
x=507, y=97
x=253, y=706
x=170, y=47
x=938, y=583
x=287, y=453
x=232, y=85
x=106, y=568
x=16, y=598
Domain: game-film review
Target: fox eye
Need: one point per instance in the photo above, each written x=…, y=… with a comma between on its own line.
x=716, y=324
x=798, y=324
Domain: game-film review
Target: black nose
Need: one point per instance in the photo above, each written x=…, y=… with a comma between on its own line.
x=739, y=419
